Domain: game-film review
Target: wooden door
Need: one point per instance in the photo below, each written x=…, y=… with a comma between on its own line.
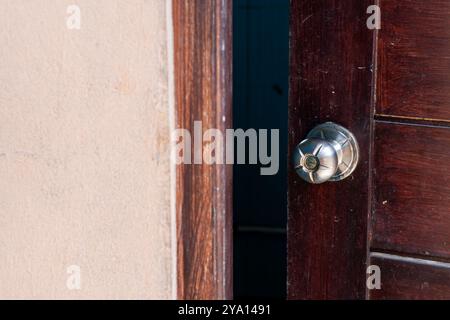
x=391, y=88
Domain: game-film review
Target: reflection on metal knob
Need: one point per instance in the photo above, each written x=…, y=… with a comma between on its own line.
x=329, y=153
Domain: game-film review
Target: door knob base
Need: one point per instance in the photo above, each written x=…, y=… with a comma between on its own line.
x=329, y=153
x=345, y=144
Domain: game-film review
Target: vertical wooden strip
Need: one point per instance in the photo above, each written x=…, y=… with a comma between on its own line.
x=331, y=80
x=203, y=84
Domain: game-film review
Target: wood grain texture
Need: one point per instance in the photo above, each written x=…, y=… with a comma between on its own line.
x=331, y=80
x=203, y=75
x=412, y=189
x=414, y=59
x=411, y=279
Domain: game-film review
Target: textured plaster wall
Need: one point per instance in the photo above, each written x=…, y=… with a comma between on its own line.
x=84, y=150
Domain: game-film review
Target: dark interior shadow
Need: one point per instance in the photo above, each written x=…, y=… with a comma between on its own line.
x=261, y=72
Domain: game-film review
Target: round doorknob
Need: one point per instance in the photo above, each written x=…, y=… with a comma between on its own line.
x=329, y=153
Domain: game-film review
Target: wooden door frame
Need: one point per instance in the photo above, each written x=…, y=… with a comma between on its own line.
x=331, y=79
x=203, y=92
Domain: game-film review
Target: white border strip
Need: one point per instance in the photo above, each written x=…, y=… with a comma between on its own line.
x=172, y=124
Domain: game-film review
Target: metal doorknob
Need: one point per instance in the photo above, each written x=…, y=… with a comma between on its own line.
x=329, y=153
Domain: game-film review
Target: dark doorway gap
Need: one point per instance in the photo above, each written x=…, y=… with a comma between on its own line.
x=260, y=89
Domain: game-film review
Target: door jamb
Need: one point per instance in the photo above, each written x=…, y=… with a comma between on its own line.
x=203, y=92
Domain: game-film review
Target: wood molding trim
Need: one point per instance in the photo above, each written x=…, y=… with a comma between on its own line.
x=203, y=92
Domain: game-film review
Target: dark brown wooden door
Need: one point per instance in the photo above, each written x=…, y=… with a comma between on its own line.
x=391, y=88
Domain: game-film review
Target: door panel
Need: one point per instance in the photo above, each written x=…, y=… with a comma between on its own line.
x=411, y=278
x=412, y=189
x=411, y=180
x=330, y=79
x=394, y=210
x=414, y=59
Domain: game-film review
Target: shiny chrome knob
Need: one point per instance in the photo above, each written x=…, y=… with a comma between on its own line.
x=329, y=153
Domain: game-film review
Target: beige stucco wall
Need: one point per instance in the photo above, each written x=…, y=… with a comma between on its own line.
x=85, y=178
